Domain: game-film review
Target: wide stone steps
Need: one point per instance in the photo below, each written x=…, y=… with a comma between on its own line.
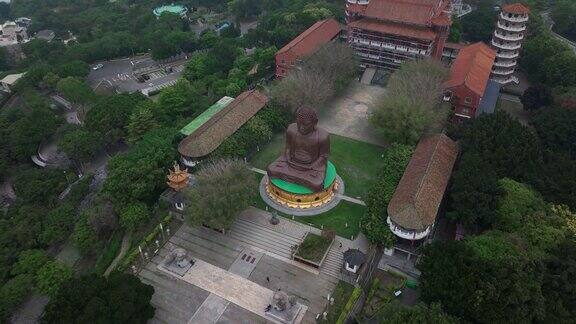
x=270, y=229
x=333, y=262
x=263, y=238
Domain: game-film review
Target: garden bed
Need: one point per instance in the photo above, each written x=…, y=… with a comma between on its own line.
x=313, y=249
x=381, y=293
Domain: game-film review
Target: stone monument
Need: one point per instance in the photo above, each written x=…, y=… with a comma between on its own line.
x=302, y=176
x=284, y=308
x=177, y=261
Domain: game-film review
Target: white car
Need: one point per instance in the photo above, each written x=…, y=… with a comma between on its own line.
x=97, y=66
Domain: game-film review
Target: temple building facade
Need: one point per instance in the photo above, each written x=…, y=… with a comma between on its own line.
x=306, y=44
x=507, y=41
x=385, y=33
x=416, y=202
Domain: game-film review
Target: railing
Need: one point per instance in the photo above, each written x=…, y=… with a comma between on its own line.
x=513, y=19
x=503, y=72
x=505, y=64
x=511, y=28
x=408, y=235
x=509, y=55
x=512, y=38
x=507, y=46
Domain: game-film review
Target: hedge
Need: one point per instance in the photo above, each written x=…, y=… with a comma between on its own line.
x=348, y=308
x=149, y=239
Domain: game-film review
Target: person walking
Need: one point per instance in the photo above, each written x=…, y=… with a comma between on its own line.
x=268, y=279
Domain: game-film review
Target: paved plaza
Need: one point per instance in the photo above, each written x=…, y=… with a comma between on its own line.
x=347, y=115
x=235, y=275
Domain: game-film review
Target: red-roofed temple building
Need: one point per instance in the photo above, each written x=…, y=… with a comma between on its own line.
x=306, y=44
x=385, y=33
x=469, y=87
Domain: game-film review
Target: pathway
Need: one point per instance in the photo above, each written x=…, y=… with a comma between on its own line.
x=126, y=241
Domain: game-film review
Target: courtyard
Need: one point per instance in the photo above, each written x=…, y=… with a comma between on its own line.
x=236, y=273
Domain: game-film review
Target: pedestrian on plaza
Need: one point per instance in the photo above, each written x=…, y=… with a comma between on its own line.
x=340, y=245
x=268, y=279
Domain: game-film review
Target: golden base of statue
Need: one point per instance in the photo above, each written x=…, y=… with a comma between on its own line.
x=301, y=201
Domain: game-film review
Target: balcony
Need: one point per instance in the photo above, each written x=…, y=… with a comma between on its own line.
x=513, y=19
x=512, y=38
x=506, y=64
x=507, y=55
x=407, y=234
x=511, y=28
x=506, y=80
x=390, y=46
x=510, y=47
x=503, y=72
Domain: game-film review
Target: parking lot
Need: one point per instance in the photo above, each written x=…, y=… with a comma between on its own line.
x=119, y=75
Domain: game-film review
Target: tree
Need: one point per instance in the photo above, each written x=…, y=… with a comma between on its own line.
x=224, y=189
x=563, y=13
x=455, y=30
x=411, y=105
x=120, y=298
x=373, y=223
x=75, y=90
x=80, y=144
x=139, y=174
x=535, y=50
x=141, y=121
x=479, y=24
x=58, y=223
x=51, y=276
x=474, y=193
x=134, y=215
x=101, y=217
x=511, y=149
x=555, y=128
x=394, y=313
x=536, y=97
x=51, y=80
x=84, y=236
x=322, y=75
x=29, y=262
x=13, y=293
x=179, y=100
x=560, y=291
x=110, y=115
x=482, y=279
x=39, y=186
x=77, y=68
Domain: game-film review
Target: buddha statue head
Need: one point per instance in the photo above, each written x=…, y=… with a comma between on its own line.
x=306, y=120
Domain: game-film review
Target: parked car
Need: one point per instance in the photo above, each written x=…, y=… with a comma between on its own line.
x=97, y=66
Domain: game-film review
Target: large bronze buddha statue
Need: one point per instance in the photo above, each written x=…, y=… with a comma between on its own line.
x=306, y=153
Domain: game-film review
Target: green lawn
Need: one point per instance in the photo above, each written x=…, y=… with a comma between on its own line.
x=313, y=247
x=341, y=295
x=356, y=162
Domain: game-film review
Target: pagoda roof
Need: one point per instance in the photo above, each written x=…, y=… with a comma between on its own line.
x=516, y=8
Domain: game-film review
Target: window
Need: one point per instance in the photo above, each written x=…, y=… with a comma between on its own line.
x=447, y=95
x=179, y=206
x=283, y=61
x=466, y=111
x=468, y=100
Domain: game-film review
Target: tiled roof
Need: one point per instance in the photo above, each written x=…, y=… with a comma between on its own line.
x=417, y=198
x=212, y=133
x=454, y=45
x=394, y=29
x=417, y=12
x=516, y=8
x=312, y=38
x=472, y=67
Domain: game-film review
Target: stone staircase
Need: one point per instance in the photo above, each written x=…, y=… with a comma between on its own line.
x=263, y=237
x=333, y=262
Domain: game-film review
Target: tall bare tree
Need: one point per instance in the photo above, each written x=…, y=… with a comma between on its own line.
x=318, y=77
